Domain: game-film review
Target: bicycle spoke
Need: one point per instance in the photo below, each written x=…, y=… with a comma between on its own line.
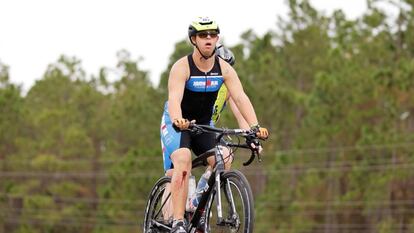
x=163, y=204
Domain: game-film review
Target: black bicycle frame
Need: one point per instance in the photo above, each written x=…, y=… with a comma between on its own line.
x=213, y=183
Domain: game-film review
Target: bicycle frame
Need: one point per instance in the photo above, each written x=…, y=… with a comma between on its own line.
x=214, y=182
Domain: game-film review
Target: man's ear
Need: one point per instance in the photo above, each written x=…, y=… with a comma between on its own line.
x=192, y=41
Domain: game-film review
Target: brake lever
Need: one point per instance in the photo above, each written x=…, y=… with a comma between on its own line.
x=251, y=139
x=195, y=129
x=259, y=157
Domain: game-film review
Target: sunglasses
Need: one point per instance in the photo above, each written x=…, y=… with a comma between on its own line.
x=204, y=34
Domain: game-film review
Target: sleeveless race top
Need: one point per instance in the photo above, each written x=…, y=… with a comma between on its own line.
x=200, y=93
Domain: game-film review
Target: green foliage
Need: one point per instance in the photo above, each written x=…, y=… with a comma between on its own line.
x=81, y=155
x=10, y=113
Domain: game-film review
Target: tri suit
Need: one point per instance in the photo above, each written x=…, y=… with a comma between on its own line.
x=201, y=102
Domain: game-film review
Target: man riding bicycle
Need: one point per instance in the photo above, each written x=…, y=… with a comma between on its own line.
x=193, y=86
x=223, y=99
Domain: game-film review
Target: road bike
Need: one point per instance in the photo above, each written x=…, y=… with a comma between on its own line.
x=234, y=212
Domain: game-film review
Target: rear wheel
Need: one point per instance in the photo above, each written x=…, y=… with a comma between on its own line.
x=158, y=209
x=237, y=205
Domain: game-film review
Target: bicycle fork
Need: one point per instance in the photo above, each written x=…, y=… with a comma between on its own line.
x=218, y=191
x=227, y=189
x=229, y=198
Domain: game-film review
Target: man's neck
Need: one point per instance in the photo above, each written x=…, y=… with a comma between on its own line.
x=201, y=63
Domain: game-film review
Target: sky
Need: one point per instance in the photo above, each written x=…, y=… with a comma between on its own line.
x=33, y=34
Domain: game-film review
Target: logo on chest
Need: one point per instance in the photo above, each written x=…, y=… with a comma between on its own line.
x=204, y=84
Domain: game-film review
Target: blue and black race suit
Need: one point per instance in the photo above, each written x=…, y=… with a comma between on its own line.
x=198, y=103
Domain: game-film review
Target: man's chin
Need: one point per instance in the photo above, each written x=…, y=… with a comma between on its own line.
x=208, y=51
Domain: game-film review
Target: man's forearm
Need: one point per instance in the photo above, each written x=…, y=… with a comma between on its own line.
x=174, y=109
x=239, y=117
x=246, y=109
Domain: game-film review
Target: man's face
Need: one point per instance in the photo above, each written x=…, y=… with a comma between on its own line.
x=206, y=41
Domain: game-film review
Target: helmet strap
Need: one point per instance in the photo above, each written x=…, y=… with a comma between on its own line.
x=205, y=57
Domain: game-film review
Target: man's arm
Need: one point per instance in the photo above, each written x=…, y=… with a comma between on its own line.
x=237, y=93
x=176, y=83
x=241, y=100
x=239, y=117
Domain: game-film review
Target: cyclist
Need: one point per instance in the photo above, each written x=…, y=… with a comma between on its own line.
x=222, y=99
x=193, y=85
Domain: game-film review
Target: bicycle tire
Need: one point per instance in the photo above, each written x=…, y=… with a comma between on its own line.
x=244, y=191
x=153, y=199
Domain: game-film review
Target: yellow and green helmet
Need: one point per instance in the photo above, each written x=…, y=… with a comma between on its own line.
x=202, y=24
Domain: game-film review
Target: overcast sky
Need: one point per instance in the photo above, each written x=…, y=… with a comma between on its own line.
x=34, y=34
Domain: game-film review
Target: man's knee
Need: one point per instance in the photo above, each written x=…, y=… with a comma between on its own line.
x=181, y=157
x=169, y=172
x=227, y=157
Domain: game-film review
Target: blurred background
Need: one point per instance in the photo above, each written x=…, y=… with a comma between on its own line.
x=80, y=152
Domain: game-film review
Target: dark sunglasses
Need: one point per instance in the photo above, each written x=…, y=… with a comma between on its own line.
x=204, y=34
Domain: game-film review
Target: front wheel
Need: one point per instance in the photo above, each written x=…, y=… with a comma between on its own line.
x=237, y=205
x=158, y=210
